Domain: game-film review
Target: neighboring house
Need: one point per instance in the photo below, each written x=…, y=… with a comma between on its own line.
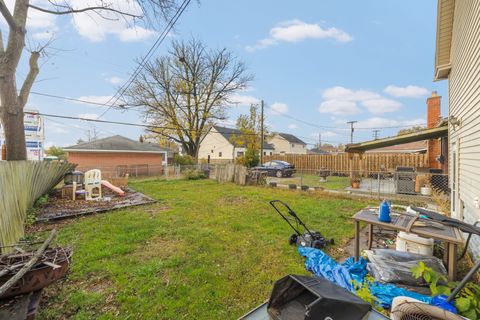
x=117, y=155
x=456, y=59
x=317, y=151
x=220, y=145
x=285, y=143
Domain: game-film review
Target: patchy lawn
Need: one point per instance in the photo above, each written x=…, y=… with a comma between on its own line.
x=205, y=251
x=311, y=180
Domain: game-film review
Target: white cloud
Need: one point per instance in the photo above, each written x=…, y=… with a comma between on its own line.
x=114, y=80
x=378, y=122
x=406, y=92
x=279, y=108
x=242, y=100
x=292, y=126
x=328, y=134
x=296, y=31
x=382, y=105
x=92, y=116
x=339, y=107
x=341, y=101
x=95, y=99
x=96, y=28
x=135, y=34
x=341, y=93
x=44, y=35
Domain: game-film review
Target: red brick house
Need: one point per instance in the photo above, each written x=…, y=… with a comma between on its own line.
x=118, y=155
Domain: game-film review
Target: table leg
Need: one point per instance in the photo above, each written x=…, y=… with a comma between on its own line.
x=370, y=236
x=357, y=240
x=452, y=261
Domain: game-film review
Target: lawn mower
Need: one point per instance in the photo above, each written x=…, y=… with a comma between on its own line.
x=307, y=238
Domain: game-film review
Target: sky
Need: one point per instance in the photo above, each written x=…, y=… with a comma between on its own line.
x=316, y=64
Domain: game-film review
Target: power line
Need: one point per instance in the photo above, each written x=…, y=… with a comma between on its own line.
x=152, y=49
x=69, y=99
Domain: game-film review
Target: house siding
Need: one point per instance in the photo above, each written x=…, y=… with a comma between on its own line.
x=217, y=143
x=282, y=146
x=464, y=104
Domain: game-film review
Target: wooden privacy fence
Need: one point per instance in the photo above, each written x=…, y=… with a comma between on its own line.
x=21, y=184
x=231, y=173
x=369, y=162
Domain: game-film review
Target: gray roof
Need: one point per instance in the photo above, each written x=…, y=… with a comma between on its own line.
x=318, y=151
x=290, y=138
x=116, y=143
x=229, y=133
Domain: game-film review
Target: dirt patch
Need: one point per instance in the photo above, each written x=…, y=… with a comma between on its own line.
x=232, y=201
x=159, y=247
x=60, y=208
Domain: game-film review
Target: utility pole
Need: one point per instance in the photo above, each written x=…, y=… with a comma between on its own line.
x=351, y=129
x=261, y=133
x=375, y=134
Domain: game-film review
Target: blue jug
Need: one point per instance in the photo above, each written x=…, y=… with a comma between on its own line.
x=384, y=215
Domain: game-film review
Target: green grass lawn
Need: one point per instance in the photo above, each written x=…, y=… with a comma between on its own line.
x=311, y=180
x=204, y=251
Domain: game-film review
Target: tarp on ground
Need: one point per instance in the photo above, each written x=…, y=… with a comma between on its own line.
x=351, y=272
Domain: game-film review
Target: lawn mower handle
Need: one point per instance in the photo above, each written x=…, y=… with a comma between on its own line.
x=292, y=213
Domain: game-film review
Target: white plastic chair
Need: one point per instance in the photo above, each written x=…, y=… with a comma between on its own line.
x=93, y=184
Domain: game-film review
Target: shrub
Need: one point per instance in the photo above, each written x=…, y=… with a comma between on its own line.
x=183, y=160
x=194, y=174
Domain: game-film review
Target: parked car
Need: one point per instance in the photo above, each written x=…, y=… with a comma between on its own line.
x=277, y=168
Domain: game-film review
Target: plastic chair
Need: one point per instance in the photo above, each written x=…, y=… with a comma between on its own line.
x=93, y=184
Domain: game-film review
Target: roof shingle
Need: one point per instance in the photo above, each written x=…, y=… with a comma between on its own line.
x=116, y=143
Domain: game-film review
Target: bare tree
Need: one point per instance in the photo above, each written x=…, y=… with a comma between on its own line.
x=14, y=101
x=188, y=89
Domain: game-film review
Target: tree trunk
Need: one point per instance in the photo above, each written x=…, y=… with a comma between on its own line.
x=14, y=135
x=12, y=119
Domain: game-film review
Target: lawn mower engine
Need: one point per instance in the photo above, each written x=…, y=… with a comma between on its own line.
x=312, y=239
x=303, y=236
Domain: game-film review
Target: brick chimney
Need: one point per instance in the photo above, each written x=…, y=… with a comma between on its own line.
x=433, y=119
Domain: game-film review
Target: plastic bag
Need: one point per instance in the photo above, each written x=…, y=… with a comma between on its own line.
x=391, y=266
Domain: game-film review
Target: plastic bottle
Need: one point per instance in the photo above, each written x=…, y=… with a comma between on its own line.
x=384, y=215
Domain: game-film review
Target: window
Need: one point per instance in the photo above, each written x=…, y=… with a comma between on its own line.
x=220, y=154
x=293, y=146
x=211, y=151
x=264, y=153
x=271, y=152
x=240, y=153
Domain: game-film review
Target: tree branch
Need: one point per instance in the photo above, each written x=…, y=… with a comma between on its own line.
x=72, y=11
x=7, y=15
x=32, y=74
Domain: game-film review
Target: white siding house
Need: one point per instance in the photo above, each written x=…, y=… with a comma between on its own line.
x=285, y=143
x=457, y=58
x=219, y=145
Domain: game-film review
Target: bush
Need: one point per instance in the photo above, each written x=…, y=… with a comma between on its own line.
x=183, y=160
x=194, y=174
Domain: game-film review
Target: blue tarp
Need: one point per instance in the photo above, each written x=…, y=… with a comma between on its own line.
x=346, y=274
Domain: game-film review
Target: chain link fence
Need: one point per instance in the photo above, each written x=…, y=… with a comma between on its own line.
x=404, y=182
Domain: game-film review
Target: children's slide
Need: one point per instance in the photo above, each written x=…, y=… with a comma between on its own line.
x=115, y=189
